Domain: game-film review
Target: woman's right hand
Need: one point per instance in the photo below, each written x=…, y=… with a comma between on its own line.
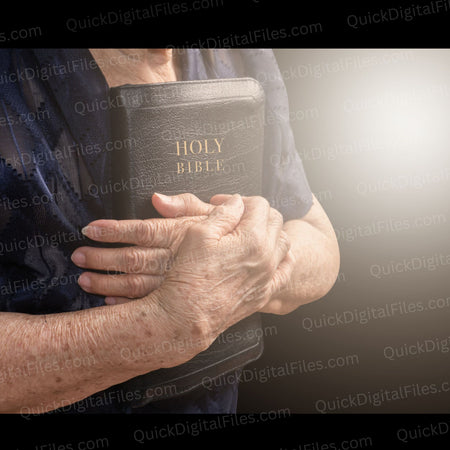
x=227, y=267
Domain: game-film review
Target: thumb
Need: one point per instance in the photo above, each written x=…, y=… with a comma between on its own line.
x=180, y=205
x=223, y=219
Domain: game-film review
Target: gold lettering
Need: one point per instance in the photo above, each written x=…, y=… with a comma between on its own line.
x=199, y=147
x=196, y=147
x=180, y=167
x=178, y=148
x=219, y=144
x=207, y=167
x=200, y=166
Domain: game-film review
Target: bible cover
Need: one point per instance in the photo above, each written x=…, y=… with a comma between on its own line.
x=204, y=137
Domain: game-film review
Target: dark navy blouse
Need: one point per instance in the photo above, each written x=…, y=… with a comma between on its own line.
x=55, y=144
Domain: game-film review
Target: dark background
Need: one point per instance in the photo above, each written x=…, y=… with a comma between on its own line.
x=399, y=131
x=416, y=146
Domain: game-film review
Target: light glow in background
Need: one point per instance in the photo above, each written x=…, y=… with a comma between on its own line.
x=373, y=129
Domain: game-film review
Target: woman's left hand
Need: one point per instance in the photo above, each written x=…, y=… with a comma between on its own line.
x=143, y=265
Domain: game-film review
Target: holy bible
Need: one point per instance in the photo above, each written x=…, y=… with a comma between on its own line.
x=204, y=137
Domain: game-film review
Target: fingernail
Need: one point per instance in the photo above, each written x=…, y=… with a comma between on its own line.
x=110, y=300
x=164, y=198
x=91, y=231
x=78, y=258
x=84, y=281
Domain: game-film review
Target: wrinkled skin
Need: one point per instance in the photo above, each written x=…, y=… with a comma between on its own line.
x=237, y=246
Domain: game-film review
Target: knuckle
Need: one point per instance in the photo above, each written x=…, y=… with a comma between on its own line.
x=260, y=202
x=169, y=260
x=180, y=230
x=198, y=231
x=144, y=231
x=135, y=286
x=153, y=265
x=276, y=217
x=134, y=260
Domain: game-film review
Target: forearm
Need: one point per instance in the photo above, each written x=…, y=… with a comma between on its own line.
x=54, y=360
x=316, y=253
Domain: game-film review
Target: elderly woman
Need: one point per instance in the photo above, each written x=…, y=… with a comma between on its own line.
x=76, y=338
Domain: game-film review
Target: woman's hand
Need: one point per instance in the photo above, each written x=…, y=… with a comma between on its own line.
x=156, y=242
x=144, y=264
x=227, y=267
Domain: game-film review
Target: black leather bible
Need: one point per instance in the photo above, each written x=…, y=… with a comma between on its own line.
x=204, y=137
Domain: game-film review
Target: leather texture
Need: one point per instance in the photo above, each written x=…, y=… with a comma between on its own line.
x=204, y=137
x=161, y=120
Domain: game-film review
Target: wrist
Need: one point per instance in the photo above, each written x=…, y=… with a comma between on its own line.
x=178, y=330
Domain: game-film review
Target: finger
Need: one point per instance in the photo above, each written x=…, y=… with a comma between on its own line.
x=254, y=222
x=126, y=285
x=282, y=248
x=282, y=276
x=218, y=199
x=180, y=205
x=257, y=210
x=151, y=261
x=277, y=239
x=221, y=221
x=148, y=233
